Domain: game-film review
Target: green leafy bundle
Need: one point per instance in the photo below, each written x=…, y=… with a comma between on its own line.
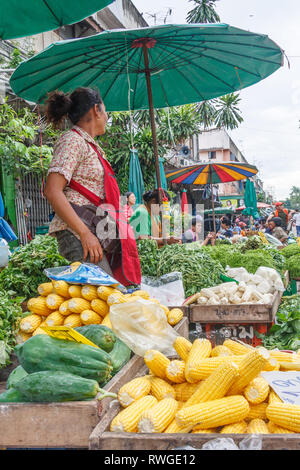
x=149, y=256
x=25, y=268
x=252, y=243
x=290, y=250
x=10, y=312
x=293, y=266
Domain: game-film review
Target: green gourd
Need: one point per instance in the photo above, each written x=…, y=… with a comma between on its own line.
x=120, y=355
x=42, y=352
x=17, y=374
x=100, y=335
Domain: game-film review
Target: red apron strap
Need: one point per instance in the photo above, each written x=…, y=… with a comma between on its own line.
x=92, y=197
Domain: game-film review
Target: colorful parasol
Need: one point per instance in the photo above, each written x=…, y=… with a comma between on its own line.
x=213, y=173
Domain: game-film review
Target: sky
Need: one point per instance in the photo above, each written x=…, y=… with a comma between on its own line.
x=269, y=137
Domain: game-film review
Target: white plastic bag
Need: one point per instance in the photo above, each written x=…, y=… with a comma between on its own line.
x=272, y=276
x=167, y=289
x=143, y=325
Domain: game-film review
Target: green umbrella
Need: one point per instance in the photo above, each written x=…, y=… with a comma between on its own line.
x=136, y=182
x=162, y=174
x=19, y=19
x=250, y=200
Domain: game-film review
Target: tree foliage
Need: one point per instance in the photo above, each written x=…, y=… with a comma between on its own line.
x=203, y=12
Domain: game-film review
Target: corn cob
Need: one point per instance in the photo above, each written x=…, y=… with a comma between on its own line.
x=78, y=305
x=175, y=371
x=61, y=288
x=21, y=337
x=75, y=291
x=215, y=413
x=271, y=364
x=180, y=404
x=185, y=391
x=55, y=319
x=275, y=429
x=30, y=323
x=104, y=291
x=156, y=362
x=235, y=428
x=204, y=367
x=72, y=320
x=160, y=389
x=133, y=390
x=204, y=431
x=201, y=349
x=257, y=411
x=281, y=356
x=54, y=301
x=251, y=365
x=100, y=306
x=39, y=331
x=236, y=347
x=173, y=428
x=127, y=419
x=257, y=391
x=64, y=308
x=285, y=415
x=89, y=293
x=175, y=316
x=38, y=306
x=290, y=365
x=115, y=298
x=106, y=322
x=45, y=289
x=158, y=418
x=257, y=426
x=221, y=351
x=89, y=317
x=141, y=293
x=182, y=346
x=216, y=385
x=274, y=398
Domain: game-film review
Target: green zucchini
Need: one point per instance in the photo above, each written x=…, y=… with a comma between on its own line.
x=120, y=355
x=42, y=352
x=100, y=335
x=17, y=374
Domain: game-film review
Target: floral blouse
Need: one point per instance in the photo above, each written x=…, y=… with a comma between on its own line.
x=75, y=159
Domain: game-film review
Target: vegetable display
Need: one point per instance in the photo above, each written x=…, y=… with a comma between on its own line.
x=293, y=266
x=149, y=257
x=10, y=313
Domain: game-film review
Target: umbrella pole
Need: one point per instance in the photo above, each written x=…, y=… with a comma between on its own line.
x=212, y=200
x=154, y=135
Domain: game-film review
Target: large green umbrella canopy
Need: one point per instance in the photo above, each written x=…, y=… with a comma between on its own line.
x=250, y=200
x=19, y=19
x=136, y=182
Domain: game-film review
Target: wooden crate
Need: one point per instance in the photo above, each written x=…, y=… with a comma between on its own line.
x=63, y=425
x=217, y=333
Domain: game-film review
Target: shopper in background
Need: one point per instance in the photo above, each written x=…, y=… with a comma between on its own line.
x=130, y=202
x=296, y=221
x=283, y=214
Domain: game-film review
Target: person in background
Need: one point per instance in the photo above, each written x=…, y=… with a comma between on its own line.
x=277, y=230
x=236, y=228
x=283, y=214
x=296, y=221
x=145, y=220
x=131, y=200
x=226, y=227
x=243, y=227
x=194, y=233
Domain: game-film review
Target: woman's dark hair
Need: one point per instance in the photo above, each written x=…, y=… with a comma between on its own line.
x=226, y=221
x=74, y=106
x=277, y=221
x=128, y=194
x=154, y=195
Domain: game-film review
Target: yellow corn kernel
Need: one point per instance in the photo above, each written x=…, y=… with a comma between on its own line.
x=204, y=431
x=274, y=398
x=235, y=428
x=281, y=356
x=285, y=366
x=30, y=323
x=236, y=347
x=221, y=350
x=200, y=349
x=173, y=428
x=285, y=415
x=160, y=389
x=55, y=319
x=175, y=371
x=39, y=331
x=134, y=390
x=257, y=390
x=89, y=317
x=257, y=411
x=175, y=316
x=61, y=288
x=257, y=426
x=106, y=322
x=156, y=362
x=75, y=291
x=251, y=365
x=158, y=418
x=127, y=419
x=185, y=391
x=271, y=364
x=100, y=306
x=215, y=413
x=38, y=305
x=182, y=346
x=275, y=429
x=204, y=367
x=45, y=289
x=115, y=298
x=142, y=293
x=105, y=291
x=64, y=308
x=72, y=320
x=216, y=385
x=78, y=305
x=21, y=337
x=89, y=293
x=54, y=301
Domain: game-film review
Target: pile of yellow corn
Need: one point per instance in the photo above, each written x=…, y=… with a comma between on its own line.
x=207, y=390
x=60, y=303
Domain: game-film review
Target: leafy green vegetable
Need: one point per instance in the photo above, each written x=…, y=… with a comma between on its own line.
x=10, y=312
x=290, y=250
x=293, y=266
x=149, y=256
x=25, y=268
x=252, y=243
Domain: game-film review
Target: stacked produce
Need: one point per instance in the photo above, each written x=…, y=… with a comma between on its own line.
x=207, y=390
x=292, y=257
x=10, y=313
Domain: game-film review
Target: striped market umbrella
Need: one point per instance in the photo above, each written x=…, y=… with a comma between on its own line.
x=212, y=173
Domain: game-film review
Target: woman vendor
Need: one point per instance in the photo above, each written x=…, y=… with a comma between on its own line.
x=277, y=230
x=80, y=179
x=145, y=221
